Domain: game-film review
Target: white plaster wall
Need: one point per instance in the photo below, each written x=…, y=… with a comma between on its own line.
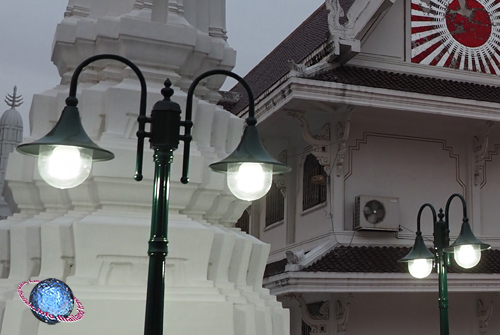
x=390, y=166
x=417, y=158
x=412, y=159
x=388, y=36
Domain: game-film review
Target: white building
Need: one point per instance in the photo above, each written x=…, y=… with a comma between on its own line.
x=392, y=101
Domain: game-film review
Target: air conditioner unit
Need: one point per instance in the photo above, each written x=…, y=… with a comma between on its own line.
x=376, y=213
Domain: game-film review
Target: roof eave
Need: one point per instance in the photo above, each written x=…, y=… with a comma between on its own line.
x=329, y=282
x=355, y=95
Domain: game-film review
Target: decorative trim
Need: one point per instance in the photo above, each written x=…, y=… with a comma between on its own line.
x=340, y=93
x=343, y=315
x=318, y=323
x=279, y=179
x=342, y=136
x=320, y=143
x=14, y=100
x=342, y=282
x=283, y=157
x=294, y=260
x=484, y=313
x=443, y=143
x=335, y=12
x=489, y=158
x=480, y=149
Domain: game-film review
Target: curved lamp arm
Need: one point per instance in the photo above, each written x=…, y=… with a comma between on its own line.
x=419, y=258
x=446, y=209
x=434, y=216
x=251, y=120
x=142, y=106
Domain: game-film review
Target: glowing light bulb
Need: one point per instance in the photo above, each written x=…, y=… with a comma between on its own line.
x=64, y=166
x=420, y=268
x=249, y=181
x=467, y=256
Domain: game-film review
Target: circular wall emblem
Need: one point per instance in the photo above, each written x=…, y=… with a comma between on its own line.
x=461, y=34
x=471, y=28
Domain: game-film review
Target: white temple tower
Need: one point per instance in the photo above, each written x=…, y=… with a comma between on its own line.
x=11, y=134
x=94, y=237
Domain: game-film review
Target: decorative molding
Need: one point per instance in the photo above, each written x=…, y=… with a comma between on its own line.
x=279, y=179
x=318, y=323
x=336, y=93
x=320, y=143
x=343, y=314
x=484, y=313
x=341, y=25
x=314, y=140
x=297, y=260
x=335, y=12
x=480, y=149
x=443, y=143
x=489, y=158
x=301, y=70
x=347, y=282
x=342, y=136
x=283, y=157
x=14, y=100
x=294, y=260
x=276, y=97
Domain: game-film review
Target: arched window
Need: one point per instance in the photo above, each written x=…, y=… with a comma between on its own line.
x=312, y=194
x=244, y=221
x=275, y=205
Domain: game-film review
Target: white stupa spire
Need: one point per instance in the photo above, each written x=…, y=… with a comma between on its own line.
x=14, y=100
x=11, y=134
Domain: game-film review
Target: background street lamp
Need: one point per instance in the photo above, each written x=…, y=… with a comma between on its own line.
x=66, y=153
x=466, y=250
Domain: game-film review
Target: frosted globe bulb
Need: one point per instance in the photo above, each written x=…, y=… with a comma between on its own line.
x=63, y=166
x=468, y=255
x=420, y=268
x=249, y=181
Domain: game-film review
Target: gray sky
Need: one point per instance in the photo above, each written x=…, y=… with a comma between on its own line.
x=27, y=27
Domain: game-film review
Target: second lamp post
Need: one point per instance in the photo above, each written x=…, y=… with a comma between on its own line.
x=466, y=250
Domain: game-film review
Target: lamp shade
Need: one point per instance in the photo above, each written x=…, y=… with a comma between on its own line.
x=250, y=167
x=466, y=237
x=68, y=132
x=66, y=153
x=419, y=251
x=419, y=259
x=467, y=248
x=250, y=150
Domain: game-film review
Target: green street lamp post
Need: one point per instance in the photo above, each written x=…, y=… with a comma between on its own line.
x=466, y=250
x=66, y=153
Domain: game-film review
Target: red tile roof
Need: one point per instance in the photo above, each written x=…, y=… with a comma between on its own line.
x=361, y=76
x=379, y=260
x=310, y=35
